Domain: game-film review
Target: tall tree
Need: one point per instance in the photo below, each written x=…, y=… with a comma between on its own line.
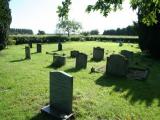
x=5, y=21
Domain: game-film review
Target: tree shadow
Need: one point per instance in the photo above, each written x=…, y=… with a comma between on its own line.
x=20, y=60
x=43, y=116
x=135, y=91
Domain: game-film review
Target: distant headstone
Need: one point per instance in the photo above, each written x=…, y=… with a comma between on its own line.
x=120, y=43
x=30, y=44
x=127, y=54
x=58, y=61
x=61, y=95
x=117, y=65
x=39, y=48
x=27, y=52
x=81, y=61
x=59, y=46
x=98, y=53
x=74, y=53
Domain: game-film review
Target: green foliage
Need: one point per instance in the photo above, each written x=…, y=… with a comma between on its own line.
x=5, y=20
x=64, y=9
x=68, y=26
x=16, y=31
x=94, y=32
x=85, y=33
x=41, y=32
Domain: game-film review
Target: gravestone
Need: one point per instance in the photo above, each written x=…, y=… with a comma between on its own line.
x=59, y=46
x=98, y=53
x=117, y=65
x=81, y=61
x=74, y=53
x=127, y=54
x=120, y=43
x=27, y=52
x=39, y=48
x=58, y=61
x=30, y=44
x=61, y=95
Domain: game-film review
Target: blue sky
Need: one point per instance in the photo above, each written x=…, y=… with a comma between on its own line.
x=41, y=15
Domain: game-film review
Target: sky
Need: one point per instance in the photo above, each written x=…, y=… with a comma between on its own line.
x=41, y=15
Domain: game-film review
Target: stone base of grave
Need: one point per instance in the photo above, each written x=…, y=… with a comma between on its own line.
x=51, y=111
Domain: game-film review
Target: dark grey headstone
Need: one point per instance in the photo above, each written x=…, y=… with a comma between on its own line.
x=61, y=95
x=30, y=44
x=58, y=61
x=98, y=53
x=120, y=43
x=39, y=48
x=127, y=54
x=81, y=61
x=74, y=53
x=27, y=52
x=59, y=46
x=117, y=65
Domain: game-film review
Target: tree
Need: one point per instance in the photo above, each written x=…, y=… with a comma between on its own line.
x=5, y=21
x=69, y=26
x=94, y=32
x=41, y=32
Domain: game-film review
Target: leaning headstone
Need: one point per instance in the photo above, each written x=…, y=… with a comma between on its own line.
x=81, y=61
x=127, y=54
x=117, y=65
x=39, y=48
x=98, y=53
x=58, y=61
x=61, y=95
x=74, y=53
x=27, y=52
x=30, y=44
x=59, y=46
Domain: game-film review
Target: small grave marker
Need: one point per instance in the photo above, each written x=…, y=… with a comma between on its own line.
x=98, y=53
x=39, y=48
x=81, y=61
x=27, y=52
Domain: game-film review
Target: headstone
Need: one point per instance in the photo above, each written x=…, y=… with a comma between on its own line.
x=117, y=65
x=39, y=48
x=98, y=53
x=74, y=53
x=61, y=95
x=58, y=61
x=81, y=61
x=127, y=54
x=59, y=46
x=30, y=44
x=120, y=43
x=27, y=52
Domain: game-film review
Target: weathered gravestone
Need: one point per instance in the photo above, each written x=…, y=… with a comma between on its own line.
x=39, y=48
x=59, y=46
x=74, y=53
x=81, y=61
x=117, y=65
x=98, y=53
x=127, y=54
x=61, y=95
x=30, y=44
x=27, y=52
x=58, y=61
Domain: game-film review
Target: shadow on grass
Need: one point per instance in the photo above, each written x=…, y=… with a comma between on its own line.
x=54, y=66
x=135, y=91
x=34, y=53
x=72, y=70
x=20, y=60
x=43, y=116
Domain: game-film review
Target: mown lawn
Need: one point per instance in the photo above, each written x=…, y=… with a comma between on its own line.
x=24, y=85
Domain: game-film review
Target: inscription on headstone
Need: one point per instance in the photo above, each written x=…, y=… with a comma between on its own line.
x=98, y=53
x=81, y=61
x=61, y=95
x=117, y=65
x=27, y=52
x=39, y=48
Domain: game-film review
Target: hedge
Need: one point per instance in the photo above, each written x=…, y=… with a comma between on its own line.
x=23, y=39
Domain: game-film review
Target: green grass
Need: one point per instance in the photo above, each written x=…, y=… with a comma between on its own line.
x=24, y=85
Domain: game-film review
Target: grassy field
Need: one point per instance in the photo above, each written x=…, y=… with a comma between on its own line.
x=24, y=85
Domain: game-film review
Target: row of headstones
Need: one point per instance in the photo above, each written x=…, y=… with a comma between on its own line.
x=39, y=49
x=61, y=87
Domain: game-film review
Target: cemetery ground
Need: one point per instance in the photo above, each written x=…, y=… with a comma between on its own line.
x=24, y=84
